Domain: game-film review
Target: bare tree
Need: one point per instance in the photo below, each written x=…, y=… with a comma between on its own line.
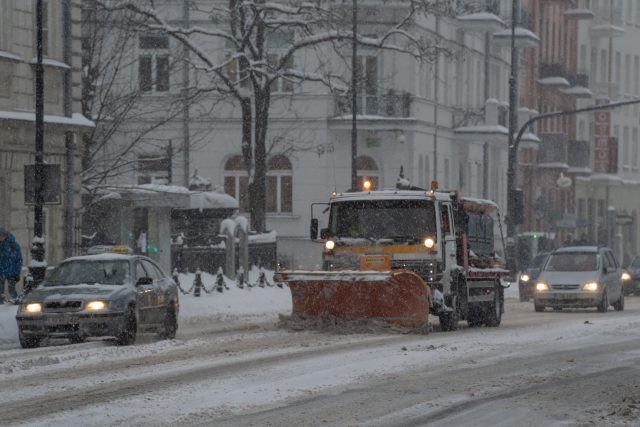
x=245, y=28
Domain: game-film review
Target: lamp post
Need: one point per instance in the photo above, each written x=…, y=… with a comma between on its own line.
x=37, y=266
x=513, y=124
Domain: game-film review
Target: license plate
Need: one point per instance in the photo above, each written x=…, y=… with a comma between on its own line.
x=375, y=262
x=60, y=320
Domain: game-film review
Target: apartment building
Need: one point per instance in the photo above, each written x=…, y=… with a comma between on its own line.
x=17, y=119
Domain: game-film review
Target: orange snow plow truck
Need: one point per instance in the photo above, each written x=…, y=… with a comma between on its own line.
x=397, y=255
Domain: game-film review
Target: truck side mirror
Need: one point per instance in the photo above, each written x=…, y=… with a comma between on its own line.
x=313, y=229
x=324, y=233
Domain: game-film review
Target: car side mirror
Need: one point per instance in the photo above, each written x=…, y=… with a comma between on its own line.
x=313, y=229
x=144, y=281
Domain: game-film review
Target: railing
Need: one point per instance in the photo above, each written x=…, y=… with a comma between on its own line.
x=553, y=70
x=468, y=116
x=579, y=80
x=553, y=148
x=387, y=105
x=579, y=154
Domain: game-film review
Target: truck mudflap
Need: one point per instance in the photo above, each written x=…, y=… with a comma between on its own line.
x=398, y=298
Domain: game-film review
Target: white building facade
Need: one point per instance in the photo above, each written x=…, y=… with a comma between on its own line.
x=442, y=119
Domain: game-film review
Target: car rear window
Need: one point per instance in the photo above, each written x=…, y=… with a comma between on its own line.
x=572, y=261
x=106, y=272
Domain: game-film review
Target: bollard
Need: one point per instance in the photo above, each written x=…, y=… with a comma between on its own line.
x=197, y=283
x=262, y=279
x=240, y=278
x=220, y=285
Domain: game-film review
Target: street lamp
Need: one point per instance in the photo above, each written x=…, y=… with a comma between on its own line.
x=354, y=98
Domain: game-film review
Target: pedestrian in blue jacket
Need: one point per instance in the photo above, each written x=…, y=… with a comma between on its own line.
x=10, y=264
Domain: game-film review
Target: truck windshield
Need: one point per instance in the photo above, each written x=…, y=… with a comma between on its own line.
x=376, y=219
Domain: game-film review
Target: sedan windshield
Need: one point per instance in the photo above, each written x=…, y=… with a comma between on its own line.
x=107, y=272
x=572, y=261
x=375, y=219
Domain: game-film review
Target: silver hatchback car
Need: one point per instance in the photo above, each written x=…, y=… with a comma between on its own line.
x=100, y=295
x=580, y=277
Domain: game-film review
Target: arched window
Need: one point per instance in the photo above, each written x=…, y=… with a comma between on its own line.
x=368, y=168
x=236, y=181
x=279, y=185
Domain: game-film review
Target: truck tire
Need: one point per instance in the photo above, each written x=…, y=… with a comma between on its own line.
x=449, y=320
x=29, y=341
x=493, y=317
x=474, y=318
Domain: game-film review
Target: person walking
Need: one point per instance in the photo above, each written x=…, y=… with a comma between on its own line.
x=10, y=264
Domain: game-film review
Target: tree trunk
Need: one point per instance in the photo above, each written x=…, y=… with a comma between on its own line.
x=258, y=188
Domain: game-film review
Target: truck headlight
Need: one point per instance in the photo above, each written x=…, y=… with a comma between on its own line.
x=590, y=286
x=541, y=286
x=330, y=244
x=96, y=305
x=525, y=277
x=429, y=242
x=625, y=276
x=34, y=307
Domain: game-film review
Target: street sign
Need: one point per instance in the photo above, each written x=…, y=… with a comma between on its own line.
x=52, y=189
x=624, y=219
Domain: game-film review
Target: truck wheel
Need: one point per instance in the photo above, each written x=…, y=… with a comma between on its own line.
x=449, y=321
x=29, y=341
x=604, y=303
x=538, y=308
x=474, y=318
x=494, y=315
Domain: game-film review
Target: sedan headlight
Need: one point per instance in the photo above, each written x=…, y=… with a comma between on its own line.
x=96, y=305
x=525, y=277
x=625, y=276
x=541, y=286
x=34, y=307
x=590, y=286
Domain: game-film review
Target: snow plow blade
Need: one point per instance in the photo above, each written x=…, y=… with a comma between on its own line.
x=399, y=298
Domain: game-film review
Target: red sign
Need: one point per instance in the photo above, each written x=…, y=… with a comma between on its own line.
x=605, y=151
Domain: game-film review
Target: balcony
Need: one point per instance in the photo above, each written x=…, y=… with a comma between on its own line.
x=553, y=75
x=474, y=123
x=579, y=14
x=523, y=37
x=579, y=86
x=553, y=151
x=607, y=23
x=479, y=16
x=579, y=157
x=390, y=104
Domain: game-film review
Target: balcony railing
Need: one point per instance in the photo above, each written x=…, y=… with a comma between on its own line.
x=475, y=6
x=579, y=154
x=468, y=116
x=579, y=80
x=552, y=148
x=553, y=70
x=390, y=104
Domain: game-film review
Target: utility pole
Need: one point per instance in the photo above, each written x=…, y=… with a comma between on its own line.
x=354, y=95
x=37, y=266
x=436, y=100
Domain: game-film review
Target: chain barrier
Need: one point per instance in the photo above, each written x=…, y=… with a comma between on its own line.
x=220, y=283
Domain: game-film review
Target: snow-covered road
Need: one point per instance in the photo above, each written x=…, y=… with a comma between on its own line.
x=231, y=365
